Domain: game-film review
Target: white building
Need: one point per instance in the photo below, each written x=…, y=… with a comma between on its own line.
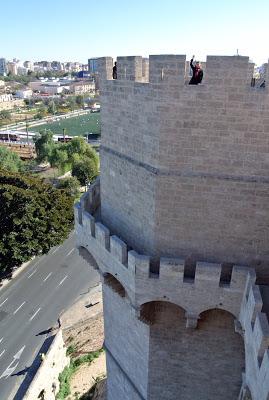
x=24, y=93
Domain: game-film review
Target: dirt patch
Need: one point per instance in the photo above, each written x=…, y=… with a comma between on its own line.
x=85, y=378
x=83, y=325
x=86, y=336
x=83, y=332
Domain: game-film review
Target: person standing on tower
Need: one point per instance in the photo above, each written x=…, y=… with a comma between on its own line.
x=115, y=71
x=197, y=73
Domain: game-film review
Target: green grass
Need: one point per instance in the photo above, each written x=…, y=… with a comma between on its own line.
x=66, y=375
x=75, y=126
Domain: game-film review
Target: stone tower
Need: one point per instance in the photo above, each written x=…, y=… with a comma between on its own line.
x=179, y=228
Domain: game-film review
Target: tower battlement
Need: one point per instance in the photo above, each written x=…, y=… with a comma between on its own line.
x=173, y=70
x=204, y=290
x=173, y=279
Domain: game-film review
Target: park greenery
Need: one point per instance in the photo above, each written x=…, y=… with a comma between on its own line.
x=68, y=372
x=10, y=161
x=76, y=156
x=5, y=116
x=56, y=106
x=34, y=217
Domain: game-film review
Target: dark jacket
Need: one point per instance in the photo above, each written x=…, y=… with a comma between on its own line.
x=115, y=75
x=196, y=76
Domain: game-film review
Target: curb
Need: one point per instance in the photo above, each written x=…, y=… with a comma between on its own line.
x=17, y=272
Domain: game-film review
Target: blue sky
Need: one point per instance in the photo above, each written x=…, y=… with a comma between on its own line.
x=76, y=30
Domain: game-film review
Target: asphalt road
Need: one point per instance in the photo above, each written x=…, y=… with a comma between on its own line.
x=32, y=303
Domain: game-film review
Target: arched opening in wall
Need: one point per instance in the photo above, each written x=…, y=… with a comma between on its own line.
x=195, y=364
x=150, y=312
x=114, y=284
x=86, y=255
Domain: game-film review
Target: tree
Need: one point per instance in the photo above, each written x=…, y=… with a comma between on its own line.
x=80, y=100
x=58, y=157
x=71, y=185
x=5, y=114
x=44, y=144
x=34, y=216
x=51, y=107
x=10, y=161
x=86, y=170
x=71, y=103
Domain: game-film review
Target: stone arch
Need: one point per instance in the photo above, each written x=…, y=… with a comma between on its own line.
x=195, y=364
x=87, y=256
x=149, y=311
x=114, y=284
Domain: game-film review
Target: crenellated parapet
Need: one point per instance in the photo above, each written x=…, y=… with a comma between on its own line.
x=254, y=322
x=173, y=70
x=194, y=288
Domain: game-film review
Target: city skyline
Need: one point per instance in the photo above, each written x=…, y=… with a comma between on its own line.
x=59, y=32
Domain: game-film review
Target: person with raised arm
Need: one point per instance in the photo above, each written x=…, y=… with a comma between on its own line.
x=197, y=72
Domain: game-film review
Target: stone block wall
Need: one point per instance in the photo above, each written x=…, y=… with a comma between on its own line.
x=176, y=330
x=190, y=162
x=256, y=335
x=47, y=374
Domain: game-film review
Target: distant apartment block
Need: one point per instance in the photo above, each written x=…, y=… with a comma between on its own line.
x=82, y=87
x=3, y=66
x=92, y=65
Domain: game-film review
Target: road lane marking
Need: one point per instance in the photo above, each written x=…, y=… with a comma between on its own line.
x=2, y=353
x=4, y=302
x=6, y=374
x=47, y=277
x=1, y=340
x=68, y=254
x=32, y=273
x=9, y=370
x=54, y=251
x=62, y=281
x=33, y=316
x=19, y=308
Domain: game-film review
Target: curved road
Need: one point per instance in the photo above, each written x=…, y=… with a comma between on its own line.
x=31, y=303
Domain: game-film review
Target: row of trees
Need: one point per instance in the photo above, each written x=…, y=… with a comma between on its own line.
x=76, y=155
x=58, y=105
x=34, y=216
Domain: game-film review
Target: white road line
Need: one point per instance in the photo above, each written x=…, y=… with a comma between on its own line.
x=33, y=316
x=1, y=339
x=68, y=254
x=2, y=353
x=47, y=277
x=54, y=251
x=32, y=273
x=19, y=308
x=9, y=371
x=4, y=302
x=62, y=281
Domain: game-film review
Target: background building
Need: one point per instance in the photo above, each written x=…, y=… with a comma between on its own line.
x=3, y=66
x=92, y=65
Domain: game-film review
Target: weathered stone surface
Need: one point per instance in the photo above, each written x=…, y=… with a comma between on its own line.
x=184, y=219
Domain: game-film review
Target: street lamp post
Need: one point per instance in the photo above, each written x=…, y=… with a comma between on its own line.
x=27, y=132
